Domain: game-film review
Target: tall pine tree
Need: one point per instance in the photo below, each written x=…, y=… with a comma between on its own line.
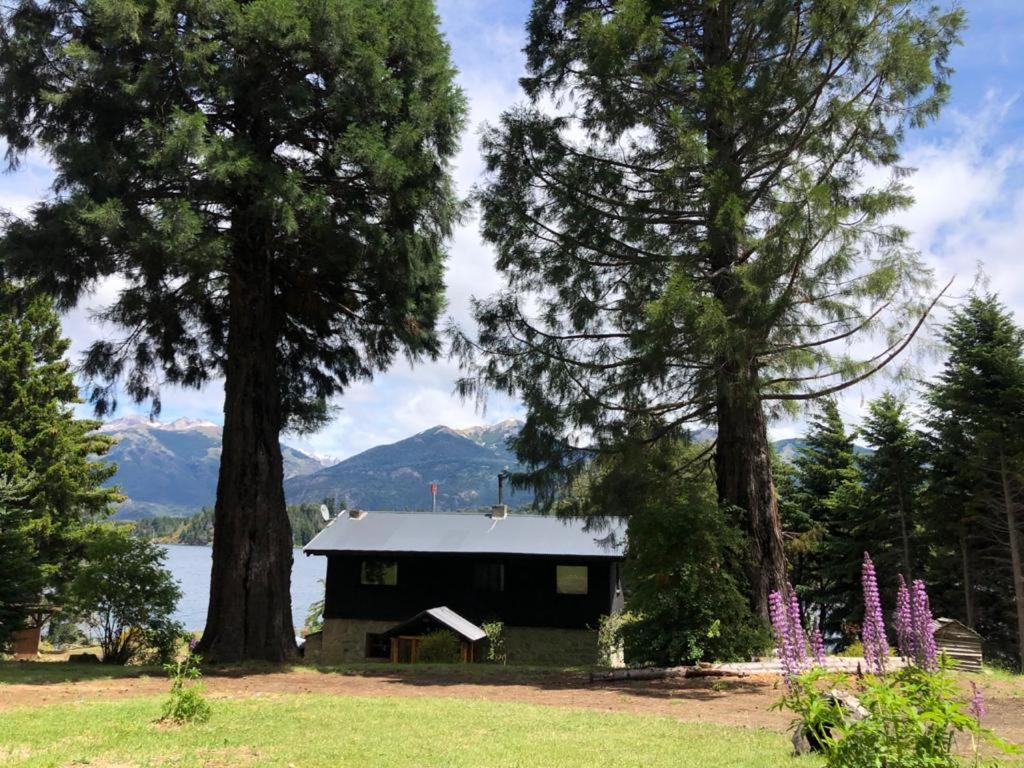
x=825, y=479
x=893, y=476
x=51, y=484
x=269, y=183
x=981, y=388
x=685, y=229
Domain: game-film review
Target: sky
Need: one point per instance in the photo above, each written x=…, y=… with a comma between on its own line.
x=968, y=217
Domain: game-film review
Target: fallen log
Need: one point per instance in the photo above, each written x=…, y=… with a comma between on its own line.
x=661, y=673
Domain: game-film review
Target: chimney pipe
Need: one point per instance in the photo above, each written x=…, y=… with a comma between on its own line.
x=502, y=477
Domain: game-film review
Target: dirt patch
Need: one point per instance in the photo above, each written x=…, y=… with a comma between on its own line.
x=744, y=702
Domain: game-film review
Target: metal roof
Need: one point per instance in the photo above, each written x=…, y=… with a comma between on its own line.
x=397, y=532
x=446, y=617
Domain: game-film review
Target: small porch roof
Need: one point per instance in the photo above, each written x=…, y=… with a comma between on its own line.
x=441, y=616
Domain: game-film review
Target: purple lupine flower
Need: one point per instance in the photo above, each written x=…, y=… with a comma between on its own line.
x=192, y=645
x=905, y=628
x=977, y=706
x=927, y=656
x=796, y=629
x=817, y=645
x=780, y=629
x=876, y=647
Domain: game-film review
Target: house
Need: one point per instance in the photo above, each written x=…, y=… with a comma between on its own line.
x=959, y=642
x=390, y=573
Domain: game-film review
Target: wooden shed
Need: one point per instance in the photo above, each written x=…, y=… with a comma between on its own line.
x=960, y=643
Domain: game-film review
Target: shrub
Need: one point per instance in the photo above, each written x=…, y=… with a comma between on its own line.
x=123, y=591
x=907, y=718
x=610, y=635
x=496, y=652
x=315, y=614
x=440, y=647
x=186, y=703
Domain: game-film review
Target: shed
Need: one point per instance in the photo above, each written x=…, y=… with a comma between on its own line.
x=959, y=642
x=405, y=637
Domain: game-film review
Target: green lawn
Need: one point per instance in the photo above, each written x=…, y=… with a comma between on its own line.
x=311, y=731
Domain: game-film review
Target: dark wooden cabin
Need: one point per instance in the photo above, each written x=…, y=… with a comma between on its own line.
x=529, y=571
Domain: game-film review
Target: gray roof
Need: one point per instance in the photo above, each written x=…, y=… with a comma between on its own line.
x=396, y=532
x=446, y=617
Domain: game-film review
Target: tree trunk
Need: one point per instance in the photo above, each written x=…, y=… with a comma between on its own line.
x=965, y=562
x=904, y=530
x=249, y=614
x=1015, y=555
x=743, y=454
x=744, y=476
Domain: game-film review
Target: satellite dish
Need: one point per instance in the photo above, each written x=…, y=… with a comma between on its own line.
x=325, y=513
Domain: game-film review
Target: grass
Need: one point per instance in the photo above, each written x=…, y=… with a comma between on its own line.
x=44, y=673
x=314, y=730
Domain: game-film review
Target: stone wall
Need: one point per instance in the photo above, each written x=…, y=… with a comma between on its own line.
x=542, y=646
x=344, y=640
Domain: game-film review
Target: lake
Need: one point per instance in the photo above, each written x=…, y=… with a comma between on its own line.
x=191, y=569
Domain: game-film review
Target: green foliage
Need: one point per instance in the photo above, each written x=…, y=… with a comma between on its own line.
x=51, y=482
x=611, y=636
x=825, y=497
x=689, y=232
x=976, y=420
x=684, y=555
x=911, y=718
x=186, y=702
x=495, y=641
x=123, y=591
x=20, y=575
x=213, y=152
x=439, y=647
x=315, y=615
x=305, y=521
x=893, y=476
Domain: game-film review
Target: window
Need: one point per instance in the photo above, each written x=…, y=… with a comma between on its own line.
x=571, y=579
x=383, y=573
x=489, y=577
x=377, y=646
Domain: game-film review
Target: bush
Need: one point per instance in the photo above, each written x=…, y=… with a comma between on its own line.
x=910, y=718
x=186, y=704
x=610, y=636
x=440, y=647
x=123, y=591
x=496, y=652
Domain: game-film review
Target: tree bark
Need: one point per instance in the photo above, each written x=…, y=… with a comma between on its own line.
x=1015, y=555
x=743, y=454
x=249, y=614
x=904, y=530
x=744, y=476
x=965, y=562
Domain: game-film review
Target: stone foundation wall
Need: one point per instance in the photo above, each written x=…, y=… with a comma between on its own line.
x=344, y=640
x=543, y=646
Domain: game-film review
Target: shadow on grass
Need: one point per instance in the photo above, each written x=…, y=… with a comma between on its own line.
x=54, y=672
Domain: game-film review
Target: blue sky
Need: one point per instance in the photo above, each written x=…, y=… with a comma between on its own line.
x=969, y=188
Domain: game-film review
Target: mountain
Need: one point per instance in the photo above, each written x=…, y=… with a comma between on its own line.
x=171, y=468
x=464, y=463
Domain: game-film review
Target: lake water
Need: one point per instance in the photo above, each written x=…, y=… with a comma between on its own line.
x=191, y=569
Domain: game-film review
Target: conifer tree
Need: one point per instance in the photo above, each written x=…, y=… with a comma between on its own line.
x=827, y=488
x=685, y=229
x=893, y=474
x=51, y=484
x=981, y=389
x=268, y=182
